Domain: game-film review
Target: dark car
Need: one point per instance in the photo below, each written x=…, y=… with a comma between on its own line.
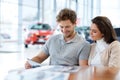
x=117, y=30
x=38, y=34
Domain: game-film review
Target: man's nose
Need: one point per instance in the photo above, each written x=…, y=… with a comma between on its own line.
x=64, y=29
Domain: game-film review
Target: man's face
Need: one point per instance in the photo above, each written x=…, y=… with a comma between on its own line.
x=67, y=28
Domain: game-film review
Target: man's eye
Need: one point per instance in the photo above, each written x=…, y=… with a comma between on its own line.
x=67, y=26
x=61, y=26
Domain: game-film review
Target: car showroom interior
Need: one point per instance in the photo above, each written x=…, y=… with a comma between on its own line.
x=26, y=25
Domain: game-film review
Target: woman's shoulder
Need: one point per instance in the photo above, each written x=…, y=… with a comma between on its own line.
x=115, y=45
x=116, y=42
x=93, y=44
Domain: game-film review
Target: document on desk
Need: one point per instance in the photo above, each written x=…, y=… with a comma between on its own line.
x=37, y=74
x=56, y=68
x=33, y=63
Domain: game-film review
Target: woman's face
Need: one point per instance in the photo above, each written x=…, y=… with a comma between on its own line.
x=95, y=32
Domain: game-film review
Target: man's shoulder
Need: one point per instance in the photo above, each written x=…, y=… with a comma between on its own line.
x=57, y=36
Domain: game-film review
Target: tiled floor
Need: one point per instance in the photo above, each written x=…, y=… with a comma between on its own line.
x=13, y=56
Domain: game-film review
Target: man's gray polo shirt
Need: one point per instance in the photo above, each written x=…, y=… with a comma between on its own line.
x=66, y=53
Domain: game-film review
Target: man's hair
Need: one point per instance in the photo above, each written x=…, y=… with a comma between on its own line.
x=106, y=28
x=67, y=14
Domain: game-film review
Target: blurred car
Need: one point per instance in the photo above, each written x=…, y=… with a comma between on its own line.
x=37, y=34
x=4, y=37
x=84, y=31
x=117, y=30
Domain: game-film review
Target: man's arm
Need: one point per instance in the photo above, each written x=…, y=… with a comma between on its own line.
x=83, y=62
x=38, y=58
x=84, y=56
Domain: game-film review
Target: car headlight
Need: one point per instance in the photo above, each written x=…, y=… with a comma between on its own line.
x=48, y=36
x=37, y=33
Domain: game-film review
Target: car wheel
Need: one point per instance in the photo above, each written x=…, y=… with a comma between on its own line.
x=26, y=45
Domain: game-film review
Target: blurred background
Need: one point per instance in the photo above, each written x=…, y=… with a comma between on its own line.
x=25, y=25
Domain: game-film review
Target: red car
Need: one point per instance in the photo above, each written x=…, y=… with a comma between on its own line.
x=38, y=34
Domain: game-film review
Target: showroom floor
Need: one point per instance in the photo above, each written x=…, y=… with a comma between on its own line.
x=13, y=56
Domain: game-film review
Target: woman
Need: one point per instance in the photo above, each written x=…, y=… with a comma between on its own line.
x=105, y=51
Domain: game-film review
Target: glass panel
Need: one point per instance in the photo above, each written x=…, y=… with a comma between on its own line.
x=30, y=3
x=10, y=1
x=9, y=20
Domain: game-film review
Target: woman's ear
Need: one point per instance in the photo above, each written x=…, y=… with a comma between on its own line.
x=102, y=35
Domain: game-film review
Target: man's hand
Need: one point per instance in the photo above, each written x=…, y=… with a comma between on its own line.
x=27, y=65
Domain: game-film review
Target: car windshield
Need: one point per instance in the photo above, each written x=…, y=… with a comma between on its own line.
x=41, y=27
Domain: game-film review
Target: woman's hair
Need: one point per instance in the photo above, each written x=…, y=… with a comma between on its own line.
x=67, y=14
x=106, y=28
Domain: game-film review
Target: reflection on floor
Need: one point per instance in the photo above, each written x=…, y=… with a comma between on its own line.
x=13, y=56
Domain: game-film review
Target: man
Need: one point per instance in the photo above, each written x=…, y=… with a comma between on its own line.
x=68, y=48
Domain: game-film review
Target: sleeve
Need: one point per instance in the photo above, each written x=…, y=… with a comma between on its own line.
x=45, y=47
x=114, y=60
x=85, y=51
